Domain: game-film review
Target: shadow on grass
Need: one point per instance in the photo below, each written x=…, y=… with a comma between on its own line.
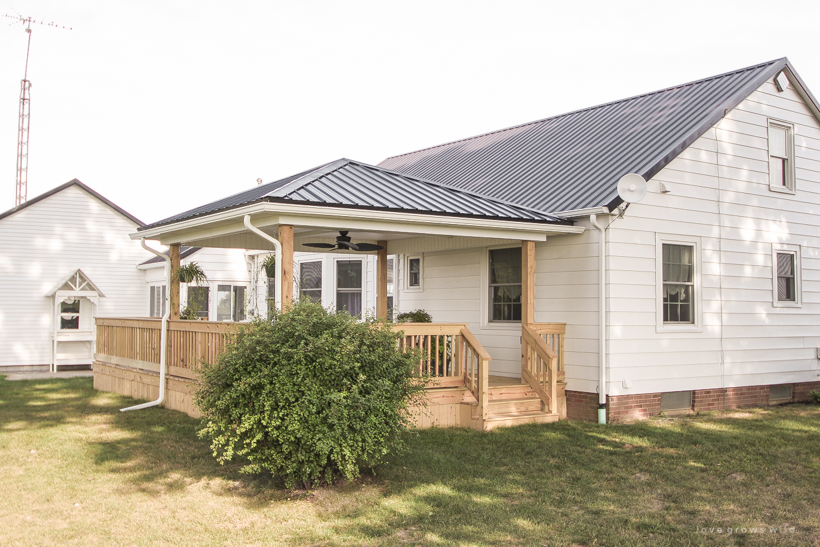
x=651, y=483
x=154, y=449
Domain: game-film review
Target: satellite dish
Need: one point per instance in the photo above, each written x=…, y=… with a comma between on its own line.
x=632, y=188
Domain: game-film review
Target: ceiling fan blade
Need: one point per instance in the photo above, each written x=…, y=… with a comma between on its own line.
x=369, y=247
x=349, y=245
x=319, y=245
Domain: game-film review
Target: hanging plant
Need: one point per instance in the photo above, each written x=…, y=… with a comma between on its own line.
x=269, y=265
x=192, y=273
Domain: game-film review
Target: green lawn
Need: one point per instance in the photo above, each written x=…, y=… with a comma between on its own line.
x=75, y=471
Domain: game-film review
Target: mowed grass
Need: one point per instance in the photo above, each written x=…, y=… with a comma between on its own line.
x=75, y=471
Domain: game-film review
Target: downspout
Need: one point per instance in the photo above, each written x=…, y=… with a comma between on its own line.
x=601, y=319
x=277, y=289
x=163, y=332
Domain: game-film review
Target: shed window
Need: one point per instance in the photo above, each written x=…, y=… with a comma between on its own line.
x=310, y=281
x=349, y=286
x=70, y=314
x=505, y=284
x=678, y=283
x=781, y=157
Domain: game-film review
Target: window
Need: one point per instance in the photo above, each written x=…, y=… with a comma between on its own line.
x=786, y=275
x=271, y=296
x=678, y=294
x=781, y=157
x=505, y=284
x=676, y=400
x=70, y=314
x=198, y=298
x=390, y=288
x=230, y=303
x=678, y=283
x=780, y=392
x=310, y=281
x=156, y=303
x=414, y=272
x=349, y=286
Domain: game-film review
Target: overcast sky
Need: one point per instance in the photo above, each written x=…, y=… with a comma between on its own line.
x=162, y=106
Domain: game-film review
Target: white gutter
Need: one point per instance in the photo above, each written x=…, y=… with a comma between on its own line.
x=277, y=289
x=163, y=332
x=602, y=210
x=593, y=219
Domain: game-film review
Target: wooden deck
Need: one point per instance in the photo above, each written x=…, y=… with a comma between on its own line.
x=461, y=391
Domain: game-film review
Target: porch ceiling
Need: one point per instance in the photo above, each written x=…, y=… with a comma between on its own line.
x=404, y=232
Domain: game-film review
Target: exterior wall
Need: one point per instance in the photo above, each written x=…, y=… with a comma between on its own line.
x=720, y=196
x=47, y=241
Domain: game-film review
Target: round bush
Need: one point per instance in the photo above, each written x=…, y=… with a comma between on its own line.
x=309, y=395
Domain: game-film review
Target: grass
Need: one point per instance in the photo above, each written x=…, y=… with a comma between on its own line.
x=75, y=471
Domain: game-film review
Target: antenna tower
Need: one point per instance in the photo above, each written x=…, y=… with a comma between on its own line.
x=21, y=192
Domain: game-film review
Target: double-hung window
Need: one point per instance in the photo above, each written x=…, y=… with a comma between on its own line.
x=505, y=285
x=349, y=286
x=230, y=303
x=70, y=314
x=786, y=275
x=678, y=284
x=414, y=273
x=310, y=281
x=781, y=157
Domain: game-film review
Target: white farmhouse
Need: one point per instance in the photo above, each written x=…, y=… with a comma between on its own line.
x=702, y=294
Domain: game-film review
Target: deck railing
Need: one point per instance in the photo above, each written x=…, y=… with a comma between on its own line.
x=453, y=357
x=135, y=343
x=542, y=348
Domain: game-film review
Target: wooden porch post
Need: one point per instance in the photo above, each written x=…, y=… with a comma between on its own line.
x=528, y=282
x=174, y=282
x=286, y=239
x=381, y=286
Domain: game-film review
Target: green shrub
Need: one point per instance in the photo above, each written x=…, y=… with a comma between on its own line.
x=815, y=395
x=188, y=314
x=309, y=395
x=415, y=316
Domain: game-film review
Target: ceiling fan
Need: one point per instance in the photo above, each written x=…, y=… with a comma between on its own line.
x=343, y=244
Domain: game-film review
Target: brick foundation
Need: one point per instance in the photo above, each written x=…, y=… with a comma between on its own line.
x=622, y=408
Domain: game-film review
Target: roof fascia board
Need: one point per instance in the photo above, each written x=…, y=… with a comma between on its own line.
x=802, y=90
x=230, y=222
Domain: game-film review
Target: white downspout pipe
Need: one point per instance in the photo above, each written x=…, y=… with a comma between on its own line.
x=277, y=289
x=163, y=332
x=601, y=319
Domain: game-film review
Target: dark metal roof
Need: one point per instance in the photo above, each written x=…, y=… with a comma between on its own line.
x=184, y=252
x=351, y=184
x=574, y=161
x=62, y=187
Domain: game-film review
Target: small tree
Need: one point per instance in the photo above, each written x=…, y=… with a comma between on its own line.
x=309, y=395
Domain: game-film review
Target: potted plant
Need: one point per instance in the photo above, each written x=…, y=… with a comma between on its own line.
x=192, y=273
x=269, y=265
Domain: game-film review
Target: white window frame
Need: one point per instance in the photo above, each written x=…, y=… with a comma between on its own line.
x=784, y=248
x=514, y=326
x=298, y=277
x=232, y=292
x=407, y=286
x=790, y=186
x=161, y=289
x=71, y=315
x=697, y=323
x=362, y=289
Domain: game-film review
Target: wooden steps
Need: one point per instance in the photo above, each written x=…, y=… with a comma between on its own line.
x=512, y=405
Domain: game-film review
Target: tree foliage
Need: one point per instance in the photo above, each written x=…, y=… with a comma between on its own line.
x=309, y=395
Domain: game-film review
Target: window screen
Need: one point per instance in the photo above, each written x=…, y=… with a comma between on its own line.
x=780, y=392
x=310, y=281
x=198, y=300
x=676, y=400
x=505, y=284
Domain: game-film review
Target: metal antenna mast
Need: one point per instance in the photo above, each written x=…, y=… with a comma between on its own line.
x=21, y=193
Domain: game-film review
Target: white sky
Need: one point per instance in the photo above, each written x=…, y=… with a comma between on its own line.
x=163, y=106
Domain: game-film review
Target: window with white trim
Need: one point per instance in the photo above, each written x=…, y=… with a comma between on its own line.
x=781, y=157
x=199, y=300
x=349, y=286
x=70, y=314
x=505, y=285
x=786, y=275
x=310, y=281
x=156, y=300
x=230, y=302
x=414, y=273
x=679, y=298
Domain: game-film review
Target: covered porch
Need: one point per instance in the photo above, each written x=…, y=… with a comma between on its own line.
x=390, y=214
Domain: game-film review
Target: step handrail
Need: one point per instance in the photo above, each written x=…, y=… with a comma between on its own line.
x=476, y=365
x=539, y=367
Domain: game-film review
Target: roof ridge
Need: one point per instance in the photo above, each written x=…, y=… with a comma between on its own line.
x=557, y=116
